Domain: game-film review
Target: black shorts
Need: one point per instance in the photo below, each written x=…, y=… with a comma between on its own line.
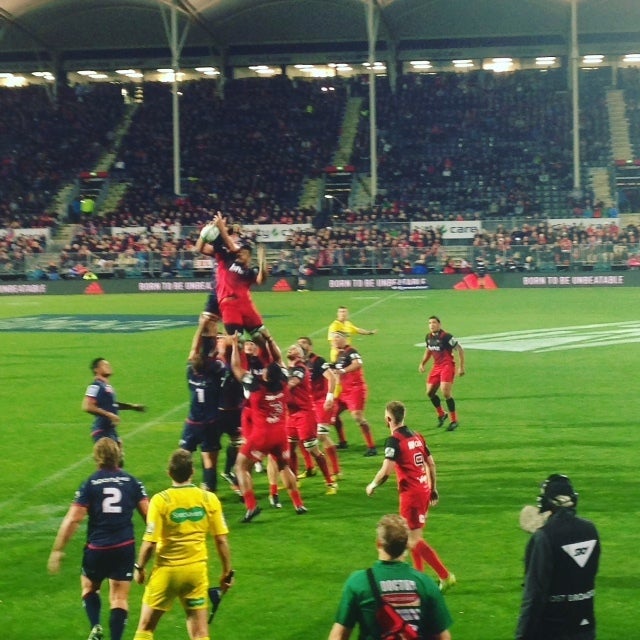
x=228, y=422
x=115, y=564
x=199, y=435
x=212, y=305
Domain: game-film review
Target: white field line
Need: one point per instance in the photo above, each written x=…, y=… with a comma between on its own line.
x=378, y=301
x=64, y=472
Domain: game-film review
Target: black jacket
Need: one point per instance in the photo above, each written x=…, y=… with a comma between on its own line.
x=561, y=563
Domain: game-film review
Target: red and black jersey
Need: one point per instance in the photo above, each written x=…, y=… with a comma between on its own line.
x=268, y=406
x=300, y=394
x=354, y=378
x=441, y=346
x=234, y=279
x=409, y=451
x=317, y=366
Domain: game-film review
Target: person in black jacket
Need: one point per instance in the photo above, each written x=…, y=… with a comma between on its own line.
x=561, y=562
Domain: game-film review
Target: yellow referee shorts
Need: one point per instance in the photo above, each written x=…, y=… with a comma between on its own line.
x=187, y=582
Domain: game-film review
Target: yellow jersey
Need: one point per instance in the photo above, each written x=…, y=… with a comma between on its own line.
x=347, y=327
x=178, y=521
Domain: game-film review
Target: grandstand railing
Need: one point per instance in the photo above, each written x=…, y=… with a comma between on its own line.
x=361, y=261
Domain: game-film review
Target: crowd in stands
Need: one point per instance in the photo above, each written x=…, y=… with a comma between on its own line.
x=392, y=249
x=499, y=144
x=451, y=147
x=45, y=140
x=246, y=154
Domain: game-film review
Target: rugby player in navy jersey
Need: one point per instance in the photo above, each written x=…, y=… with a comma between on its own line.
x=440, y=346
x=204, y=380
x=406, y=453
x=100, y=401
x=110, y=496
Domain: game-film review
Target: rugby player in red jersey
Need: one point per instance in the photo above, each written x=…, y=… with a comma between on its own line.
x=235, y=275
x=301, y=422
x=267, y=401
x=406, y=453
x=350, y=372
x=440, y=346
x=323, y=384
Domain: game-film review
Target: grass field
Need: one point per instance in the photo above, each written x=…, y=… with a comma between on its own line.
x=557, y=395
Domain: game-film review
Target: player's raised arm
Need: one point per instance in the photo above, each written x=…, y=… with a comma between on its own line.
x=236, y=364
x=262, y=264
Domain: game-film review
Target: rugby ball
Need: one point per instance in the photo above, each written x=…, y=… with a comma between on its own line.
x=209, y=233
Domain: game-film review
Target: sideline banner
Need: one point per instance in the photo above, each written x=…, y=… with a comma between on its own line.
x=525, y=280
x=451, y=230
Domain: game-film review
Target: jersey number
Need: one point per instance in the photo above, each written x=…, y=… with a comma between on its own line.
x=111, y=500
x=200, y=395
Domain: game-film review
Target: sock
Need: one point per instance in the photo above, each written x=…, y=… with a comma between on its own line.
x=339, y=425
x=308, y=461
x=250, y=499
x=143, y=635
x=435, y=401
x=117, y=622
x=432, y=559
x=332, y=453
x=210, y=478
x=451, y=405
x=366, y=432
x=273, y=489
x=91, y=603
x=418, y=562
x=296, y=498
x=321, y=461
x=230, y=462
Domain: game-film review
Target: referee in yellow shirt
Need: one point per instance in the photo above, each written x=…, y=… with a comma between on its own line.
x=178, y=521
x=342, y=324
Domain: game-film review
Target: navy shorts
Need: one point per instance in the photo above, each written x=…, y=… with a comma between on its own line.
x=198, y=435
x=112, y=433
x=212, y=305
x=228, y=422
x=115, y=564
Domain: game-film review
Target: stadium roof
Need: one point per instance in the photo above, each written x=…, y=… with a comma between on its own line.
x=39, y=30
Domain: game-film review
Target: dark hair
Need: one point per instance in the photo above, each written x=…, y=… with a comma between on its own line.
x=433, y=318
x=275, y=377
x=95, y=362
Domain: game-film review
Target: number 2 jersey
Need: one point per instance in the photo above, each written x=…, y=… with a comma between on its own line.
x=111, y=497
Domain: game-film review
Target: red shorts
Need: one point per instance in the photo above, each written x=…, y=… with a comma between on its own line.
x=354, y=398
x=240, y=311
x=442, y=373
x=414, y=506
x=301, y=425
x=262, y=443
x=245, y=422
x=323, y=416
